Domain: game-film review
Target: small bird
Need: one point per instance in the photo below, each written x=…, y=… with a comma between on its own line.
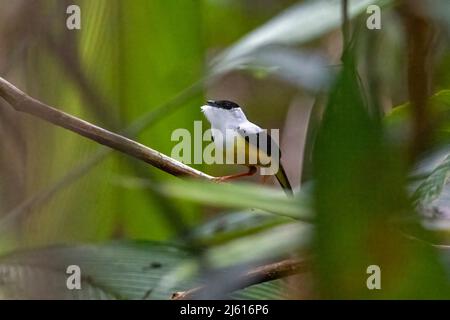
x=228, y=118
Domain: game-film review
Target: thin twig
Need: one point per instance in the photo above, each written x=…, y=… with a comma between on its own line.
x=258, y=275
x=23, y=103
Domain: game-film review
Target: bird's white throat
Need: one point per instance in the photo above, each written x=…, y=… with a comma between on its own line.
x=223, y=119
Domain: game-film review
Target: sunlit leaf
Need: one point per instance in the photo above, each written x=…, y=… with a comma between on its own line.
x=242, y=195
x=297, y=24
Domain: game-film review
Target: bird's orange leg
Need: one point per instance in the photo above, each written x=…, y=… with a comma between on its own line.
x=251, y=171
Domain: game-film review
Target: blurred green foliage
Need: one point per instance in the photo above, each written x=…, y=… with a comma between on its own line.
x=144, y=68
x=359, y=218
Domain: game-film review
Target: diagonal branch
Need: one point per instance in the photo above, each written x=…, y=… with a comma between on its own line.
x=40, y=198
x=21, y=102
x=68, y=56
x=257, y=275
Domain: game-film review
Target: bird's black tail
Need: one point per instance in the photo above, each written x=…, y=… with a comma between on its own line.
x=284, y=181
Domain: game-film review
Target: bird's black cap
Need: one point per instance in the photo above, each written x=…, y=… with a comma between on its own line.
x=223, y=104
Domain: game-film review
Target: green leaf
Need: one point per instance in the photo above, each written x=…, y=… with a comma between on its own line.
x=432, y=186
x=129, y=270
x=298, y=24
x=274, y=243
x=239, y=255
x=271, y=290
x=359, y=190
x=118, y=270
x=431, y=197
x=240, y=195
x=398, y=121
x=234, y=225
x=432, y=172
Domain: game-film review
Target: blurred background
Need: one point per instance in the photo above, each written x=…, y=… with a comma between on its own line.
x=372, y=175
x=126, y=62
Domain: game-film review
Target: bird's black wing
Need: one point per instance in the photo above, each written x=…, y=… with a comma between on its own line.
x=260, y=138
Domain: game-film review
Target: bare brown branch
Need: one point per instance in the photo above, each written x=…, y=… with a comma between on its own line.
x=257, y=275
x=23, y=103
x=420, y=33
